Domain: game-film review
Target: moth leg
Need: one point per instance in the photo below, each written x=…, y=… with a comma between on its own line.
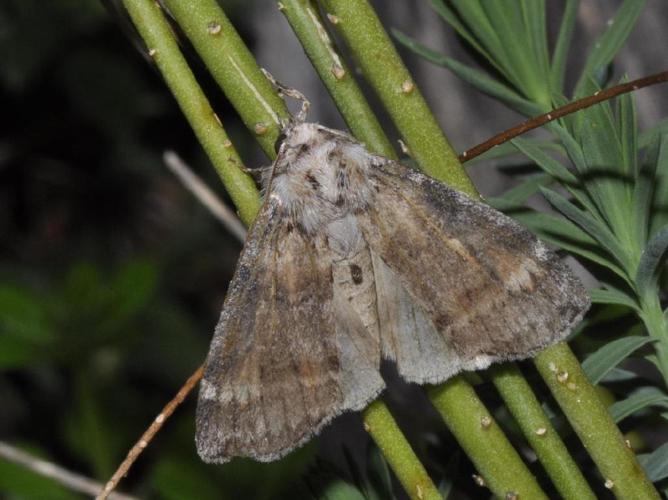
x=259, y=174
x=284, y=90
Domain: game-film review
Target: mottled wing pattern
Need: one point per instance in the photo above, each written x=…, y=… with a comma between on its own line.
x=275, y=373
x=449, y=265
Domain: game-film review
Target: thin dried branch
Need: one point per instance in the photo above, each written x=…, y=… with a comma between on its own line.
x=555, y=114
x=149, y=433
x=71, y=480
x=225, y=215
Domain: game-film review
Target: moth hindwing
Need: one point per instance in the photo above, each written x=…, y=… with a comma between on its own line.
x=353, y=258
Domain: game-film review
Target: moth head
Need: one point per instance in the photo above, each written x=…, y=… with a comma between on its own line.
x=296, y=140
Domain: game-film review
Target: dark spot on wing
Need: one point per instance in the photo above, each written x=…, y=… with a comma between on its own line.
x=299, y=227
x=442, y=322
x=332, y=155
x=310, y=178
x=341, y=179
x=356, y=274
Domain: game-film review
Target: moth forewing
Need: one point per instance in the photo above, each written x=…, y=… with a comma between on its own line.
x=355, y=257
x=490, y=288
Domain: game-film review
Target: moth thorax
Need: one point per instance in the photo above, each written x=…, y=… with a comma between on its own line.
x=322, y=180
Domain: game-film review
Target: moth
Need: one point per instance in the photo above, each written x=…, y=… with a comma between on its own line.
x=354, y=258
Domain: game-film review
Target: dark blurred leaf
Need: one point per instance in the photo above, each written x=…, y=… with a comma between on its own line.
x=131, y=288
x=380, y=477
x=177, y=479
x=31, y=32
x=445, y=487
x=340, y=490
x=25, y=332
x=89, y=431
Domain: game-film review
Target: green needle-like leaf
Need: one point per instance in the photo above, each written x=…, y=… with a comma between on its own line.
x=608, y=44
x=515, y=197
x=652, y=134
x=655, y=463
x=593, y=227
x=650, y=262
x=453, y=20
x=563, y=44
x=566, y=235
x=547, y=163
x=612, y=296
x=640, y=399
x=659, y=208
x=600, y=363
x=477, y=78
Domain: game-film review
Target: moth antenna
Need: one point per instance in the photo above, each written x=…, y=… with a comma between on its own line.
x=284, y=90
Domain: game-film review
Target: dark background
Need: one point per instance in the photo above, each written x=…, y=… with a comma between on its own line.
x=112, y=275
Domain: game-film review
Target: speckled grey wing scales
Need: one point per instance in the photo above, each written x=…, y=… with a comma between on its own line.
x=459, y=284
x=280, y=366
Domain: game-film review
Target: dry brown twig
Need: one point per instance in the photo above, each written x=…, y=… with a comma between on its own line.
x=569, y=108
x=149, y=433
x=69, y=479
x=229, y=219
x=205, y=195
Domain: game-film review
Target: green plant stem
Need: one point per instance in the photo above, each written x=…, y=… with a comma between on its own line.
x=233, y=67
x=380, y=424
x=383, y=69
x=153, y=28
x=543, y=438
x=483, y=440
x=523, y=397
x=305, y=20
x=162, y=47
x=591, y=421
x=161, y=44
x=297, y=15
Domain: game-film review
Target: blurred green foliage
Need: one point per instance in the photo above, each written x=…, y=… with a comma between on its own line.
x=111, y=275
